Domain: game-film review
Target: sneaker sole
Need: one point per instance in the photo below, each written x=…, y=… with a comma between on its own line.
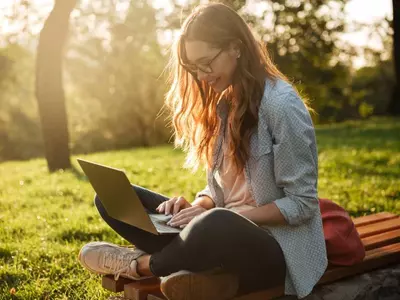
x=198, y=286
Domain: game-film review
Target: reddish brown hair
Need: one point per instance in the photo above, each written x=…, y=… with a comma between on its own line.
x=193, y=103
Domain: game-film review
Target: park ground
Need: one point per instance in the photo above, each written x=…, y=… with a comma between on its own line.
x=46, y=218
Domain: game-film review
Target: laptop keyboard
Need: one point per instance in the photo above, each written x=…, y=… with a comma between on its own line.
x=162, y=226
x=160, y=222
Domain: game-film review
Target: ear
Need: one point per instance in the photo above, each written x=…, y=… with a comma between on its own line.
x=235, y=48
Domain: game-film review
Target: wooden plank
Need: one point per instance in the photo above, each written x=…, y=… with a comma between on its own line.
x=138, y=290
x=382, y=251
x=370, y=219
x=382, y=239
x=375, y=258
x=153, y=296
x=380, y=227
x=264, y=295
x=112, y=285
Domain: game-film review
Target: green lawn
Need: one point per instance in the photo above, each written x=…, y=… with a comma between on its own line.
x=46, y=218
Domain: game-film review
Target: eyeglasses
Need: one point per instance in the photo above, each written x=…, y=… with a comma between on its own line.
x=204, y=67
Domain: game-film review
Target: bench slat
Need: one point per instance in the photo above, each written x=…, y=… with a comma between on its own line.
x=265, y=295
x=381, y=239
x=374, y=259
x=380, y=227
x=155, y=297
x=370, y=219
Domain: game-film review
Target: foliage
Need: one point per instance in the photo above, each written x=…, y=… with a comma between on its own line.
x=46, y=218
x=301, y=36
x=303, y=42
x=20, y=135
x=115, y=61
x=123, y=95
x=372, y=88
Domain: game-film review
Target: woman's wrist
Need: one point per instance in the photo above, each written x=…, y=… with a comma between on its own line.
x=204, y=201
x=268, y=214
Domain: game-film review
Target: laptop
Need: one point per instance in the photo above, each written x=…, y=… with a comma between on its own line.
x=121, y=201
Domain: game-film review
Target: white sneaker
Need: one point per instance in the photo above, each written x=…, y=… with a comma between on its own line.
x=185, y=285
x=106, y=258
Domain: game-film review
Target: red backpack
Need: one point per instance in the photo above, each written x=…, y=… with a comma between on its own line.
x=343, y=243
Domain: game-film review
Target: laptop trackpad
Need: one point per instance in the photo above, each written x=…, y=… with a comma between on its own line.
x=160, y=222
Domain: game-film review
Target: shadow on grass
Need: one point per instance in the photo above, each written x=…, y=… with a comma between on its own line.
x=5, y=255
x=71, y=235
x=10, y=278
x=358, y=168
x=380, y=138
x=78, y=174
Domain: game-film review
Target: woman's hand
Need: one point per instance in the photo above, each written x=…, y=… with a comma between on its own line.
x=173, y=206
x=185, y=216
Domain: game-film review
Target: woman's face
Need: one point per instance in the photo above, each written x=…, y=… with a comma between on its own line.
x=214, y=66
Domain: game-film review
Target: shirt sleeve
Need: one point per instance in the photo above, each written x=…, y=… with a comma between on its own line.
x=295, y=157
x=205, y=192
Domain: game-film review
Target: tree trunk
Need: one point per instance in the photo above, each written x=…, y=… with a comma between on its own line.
x=394, y=105
x=49, y=85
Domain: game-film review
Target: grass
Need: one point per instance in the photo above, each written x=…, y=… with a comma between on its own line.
x=46, y=218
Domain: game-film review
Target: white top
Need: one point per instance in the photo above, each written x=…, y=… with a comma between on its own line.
x=236, y=191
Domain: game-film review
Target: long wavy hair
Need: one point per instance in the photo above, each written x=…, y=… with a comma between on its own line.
x=193, y=104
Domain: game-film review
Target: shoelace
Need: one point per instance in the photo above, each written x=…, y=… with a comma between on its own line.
x=118, y=264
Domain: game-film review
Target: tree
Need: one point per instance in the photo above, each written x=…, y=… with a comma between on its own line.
x=394, y=105
x=124, y=92
x=49, y=85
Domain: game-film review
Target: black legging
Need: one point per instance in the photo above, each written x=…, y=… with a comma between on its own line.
x=217, y=238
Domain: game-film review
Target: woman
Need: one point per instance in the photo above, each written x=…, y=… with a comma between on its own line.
x=257, y=224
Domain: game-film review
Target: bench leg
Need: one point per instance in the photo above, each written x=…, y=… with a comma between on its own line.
x=139, y=290
x=156, y=297
x=112, y=285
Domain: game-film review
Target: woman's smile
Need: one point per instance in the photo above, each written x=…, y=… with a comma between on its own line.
x=213, y=82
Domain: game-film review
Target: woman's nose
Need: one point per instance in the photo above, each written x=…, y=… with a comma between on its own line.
x=201, y=75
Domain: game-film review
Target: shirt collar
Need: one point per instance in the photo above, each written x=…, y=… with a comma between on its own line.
x=222, y=108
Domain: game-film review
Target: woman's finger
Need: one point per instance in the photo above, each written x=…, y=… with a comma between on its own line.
x=182, y=214
x=175, y=218
x=160, y=208
x=178, y=205
x=185, y=216
x=178, y=217
x=168, y=204
x=182, y=221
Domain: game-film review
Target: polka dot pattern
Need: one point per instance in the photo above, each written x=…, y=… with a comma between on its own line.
x=283, y=168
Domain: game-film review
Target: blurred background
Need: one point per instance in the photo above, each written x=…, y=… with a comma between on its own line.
x=86, y=76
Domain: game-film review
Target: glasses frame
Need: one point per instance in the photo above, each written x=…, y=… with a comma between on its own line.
x=204, y=67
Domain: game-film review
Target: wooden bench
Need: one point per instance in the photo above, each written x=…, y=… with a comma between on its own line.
x=379, y=232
